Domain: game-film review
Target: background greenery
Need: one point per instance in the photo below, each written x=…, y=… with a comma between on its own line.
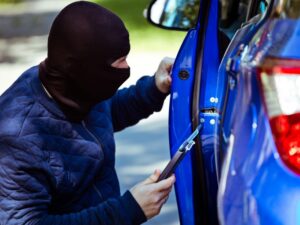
x=143, y=35
x=10, y=1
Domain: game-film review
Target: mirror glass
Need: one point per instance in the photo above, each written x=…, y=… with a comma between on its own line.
x=177, y=14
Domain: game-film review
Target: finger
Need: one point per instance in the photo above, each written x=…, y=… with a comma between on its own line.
x=164, y=184
x=168, y=67
x=156, y=175
x=166, y=190
x=165, y=193
x=167, y=63
x=153, y=177
x=163, y=201
x=173, y=180
x=160, y=203
x=168, y=60
x=160, y=195
x=168, y=81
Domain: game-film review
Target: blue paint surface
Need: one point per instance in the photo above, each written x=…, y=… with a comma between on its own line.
x=255, y=185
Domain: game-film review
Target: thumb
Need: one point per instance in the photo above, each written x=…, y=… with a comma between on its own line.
x=153, y=177
x=168, y=63
x=168, y=81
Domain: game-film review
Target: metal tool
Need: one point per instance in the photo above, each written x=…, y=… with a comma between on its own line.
x=179, y=155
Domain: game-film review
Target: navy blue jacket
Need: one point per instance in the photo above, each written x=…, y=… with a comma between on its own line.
x=53, y=171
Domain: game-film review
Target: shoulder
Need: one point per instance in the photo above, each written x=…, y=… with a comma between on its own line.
x=16, y=103
x=101, y=113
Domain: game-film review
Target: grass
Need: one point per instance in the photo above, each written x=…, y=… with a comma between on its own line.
x=143, y=35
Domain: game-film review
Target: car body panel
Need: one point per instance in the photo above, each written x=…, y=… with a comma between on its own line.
x=257, y=187
x=181, y=117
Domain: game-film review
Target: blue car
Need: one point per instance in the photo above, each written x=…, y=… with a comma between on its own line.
x=237, y=76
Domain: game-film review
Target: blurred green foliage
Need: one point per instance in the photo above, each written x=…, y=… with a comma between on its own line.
x=10, y=1
x=143, y=35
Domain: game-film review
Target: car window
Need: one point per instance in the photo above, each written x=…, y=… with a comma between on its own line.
x=234, y=14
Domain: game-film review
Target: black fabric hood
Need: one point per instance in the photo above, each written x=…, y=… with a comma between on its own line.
x=84, y=40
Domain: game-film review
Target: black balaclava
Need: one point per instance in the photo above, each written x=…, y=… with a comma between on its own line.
x=84, y=40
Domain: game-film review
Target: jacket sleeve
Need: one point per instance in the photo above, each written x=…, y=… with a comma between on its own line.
x=25, y=195
x=130, y=105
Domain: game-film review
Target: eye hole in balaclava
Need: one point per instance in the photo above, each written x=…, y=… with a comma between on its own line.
x=84, y=40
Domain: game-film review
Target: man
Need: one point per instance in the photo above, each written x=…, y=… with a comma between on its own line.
x=57, y=150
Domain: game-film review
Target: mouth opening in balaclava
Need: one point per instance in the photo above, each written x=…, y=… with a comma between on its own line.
x=84, y=40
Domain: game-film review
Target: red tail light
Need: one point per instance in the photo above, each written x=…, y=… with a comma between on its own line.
x=280, y=83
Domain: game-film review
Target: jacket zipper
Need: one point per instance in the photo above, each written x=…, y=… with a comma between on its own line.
x=98, y=142
x=98, y=192
x=91, y=134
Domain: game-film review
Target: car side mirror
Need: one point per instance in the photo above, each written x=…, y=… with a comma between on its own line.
x=174, y=14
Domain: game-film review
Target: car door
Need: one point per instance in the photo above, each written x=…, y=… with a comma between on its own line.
x=195, y=98
x=204, y=95
x=193, y=102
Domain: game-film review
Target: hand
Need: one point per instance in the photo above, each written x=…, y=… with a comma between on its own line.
x=151, y=195
x=162, y=76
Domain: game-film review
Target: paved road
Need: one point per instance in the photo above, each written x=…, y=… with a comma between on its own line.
x=140, y=149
